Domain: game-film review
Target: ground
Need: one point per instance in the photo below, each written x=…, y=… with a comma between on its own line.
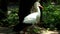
x=6, y=30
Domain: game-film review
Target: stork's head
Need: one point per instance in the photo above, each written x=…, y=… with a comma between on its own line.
x=40, y=6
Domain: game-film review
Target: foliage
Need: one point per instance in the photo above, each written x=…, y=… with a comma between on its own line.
x=12, y=18
x=51, y=16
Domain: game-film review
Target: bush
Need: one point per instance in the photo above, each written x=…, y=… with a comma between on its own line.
x=12, y=18
x=51, y=16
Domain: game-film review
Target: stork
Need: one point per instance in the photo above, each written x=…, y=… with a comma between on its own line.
x=35, y=16
x=26, y=18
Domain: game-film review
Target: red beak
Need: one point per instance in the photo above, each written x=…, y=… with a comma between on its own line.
x=41, y=6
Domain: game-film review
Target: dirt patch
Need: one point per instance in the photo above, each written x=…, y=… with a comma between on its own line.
x=50, y=32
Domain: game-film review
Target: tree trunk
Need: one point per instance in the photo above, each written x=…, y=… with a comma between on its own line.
x=3, y=7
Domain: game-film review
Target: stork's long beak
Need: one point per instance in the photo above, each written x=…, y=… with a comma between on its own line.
x=40, y=6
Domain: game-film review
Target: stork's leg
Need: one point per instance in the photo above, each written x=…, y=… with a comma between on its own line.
x=25, y=29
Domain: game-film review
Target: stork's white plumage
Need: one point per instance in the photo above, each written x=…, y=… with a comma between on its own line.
x=33, y=17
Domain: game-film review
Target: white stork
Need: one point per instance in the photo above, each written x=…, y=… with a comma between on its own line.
x=34, y=17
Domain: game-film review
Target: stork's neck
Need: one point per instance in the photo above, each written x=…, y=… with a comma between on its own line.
x=36, y=5
x=38, y=9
